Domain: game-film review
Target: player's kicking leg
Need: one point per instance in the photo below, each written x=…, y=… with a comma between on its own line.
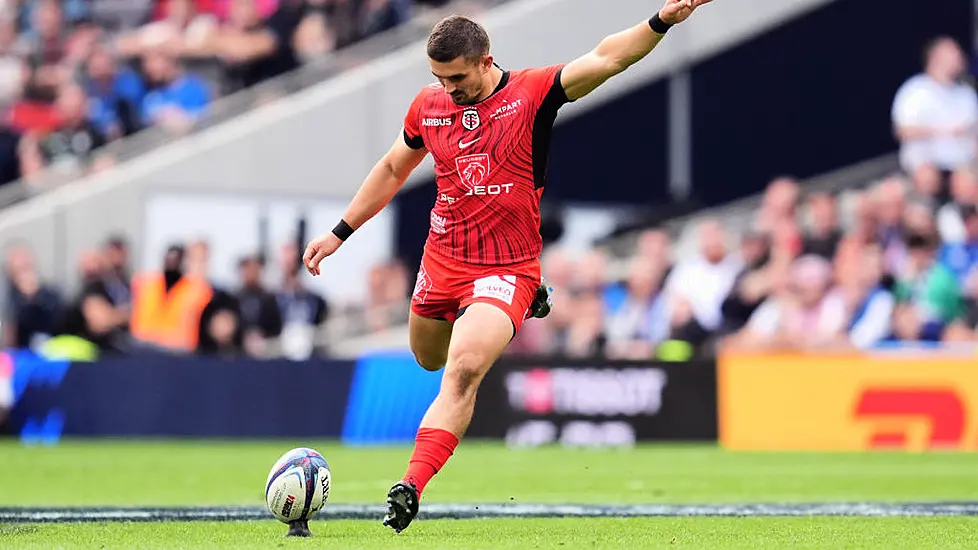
x=478, y=338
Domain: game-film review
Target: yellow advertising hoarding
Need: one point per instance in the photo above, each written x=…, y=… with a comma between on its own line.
x=847, y=402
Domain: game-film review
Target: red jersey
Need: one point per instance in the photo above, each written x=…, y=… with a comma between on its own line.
x=490, y=165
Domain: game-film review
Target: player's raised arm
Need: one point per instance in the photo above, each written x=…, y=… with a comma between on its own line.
x=621, y=50
x=380, y=186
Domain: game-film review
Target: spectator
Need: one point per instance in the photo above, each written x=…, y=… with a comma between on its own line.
x=381, y=15
x=32, y=14
x=654, y=246
x=302, y=310
x=12, y=68
x=823, y=235
x=260, y=315
x=115, y=95
x=802, y=313
x=583, y=289
x=704, y=280
x=926, y=291
x=119, y=16
x=386, y=295
x=778, y=205
x=964, y=194
x=117, y=277
x=865, y=226
x=640, y=322
x=70, y=148
x=962, y=257
x=178, y=98
x=167, y=305
x=964, y=329
x=928, y=187
x=544, y=337
x=344, y=18
x=908, y=326
x=314, y=37
x=935, y=114
x=247, y=46
x=918, y=217
x=221, y=327
x=181, y=29
x=869, y=306
x=48, y=48
x=787, y=242
x=92, y=316
x=223, y=9
x=591, y=276
x=888, y=205
x=586, y=336
x=559, y=270
x=33, y=308
x=752, y=285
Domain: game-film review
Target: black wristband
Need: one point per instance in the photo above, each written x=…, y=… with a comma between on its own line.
x=658, y=25
x=342, y=230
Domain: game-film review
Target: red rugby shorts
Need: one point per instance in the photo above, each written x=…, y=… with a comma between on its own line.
x=445, y=287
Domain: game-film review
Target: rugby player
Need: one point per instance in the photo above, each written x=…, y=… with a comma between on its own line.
x=488, y=130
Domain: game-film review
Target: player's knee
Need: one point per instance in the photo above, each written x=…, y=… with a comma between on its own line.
x=430, y=361
x=466, y=372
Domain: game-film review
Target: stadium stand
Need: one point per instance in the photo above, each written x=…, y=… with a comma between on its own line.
x=91, y=84
x=872, y=254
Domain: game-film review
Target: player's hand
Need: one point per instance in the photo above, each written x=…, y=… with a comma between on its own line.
x=318, y=249
x=677, y=11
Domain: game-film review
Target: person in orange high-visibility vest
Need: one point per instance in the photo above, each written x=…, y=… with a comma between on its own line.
x=166, y=306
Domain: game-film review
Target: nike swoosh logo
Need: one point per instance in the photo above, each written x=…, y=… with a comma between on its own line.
x=462, y=144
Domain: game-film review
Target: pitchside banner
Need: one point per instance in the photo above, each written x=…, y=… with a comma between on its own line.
x=848, y=402
x=178, y=396
x=582, y=403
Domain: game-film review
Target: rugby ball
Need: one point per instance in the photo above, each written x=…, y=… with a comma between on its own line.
x=298, y=485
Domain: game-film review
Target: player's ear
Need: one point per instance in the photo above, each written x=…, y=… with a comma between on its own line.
x=487, y=63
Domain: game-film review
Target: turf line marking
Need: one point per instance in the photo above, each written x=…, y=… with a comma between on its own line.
x=479, y=511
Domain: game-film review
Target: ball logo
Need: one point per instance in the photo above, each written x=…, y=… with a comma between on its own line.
x=473, y=169
x=470, y=119
x=324, y=480
x=287, y=507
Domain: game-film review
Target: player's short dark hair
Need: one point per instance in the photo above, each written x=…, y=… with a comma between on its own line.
x=457, y=36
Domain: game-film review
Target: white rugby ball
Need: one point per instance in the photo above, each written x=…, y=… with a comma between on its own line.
x=298, y=485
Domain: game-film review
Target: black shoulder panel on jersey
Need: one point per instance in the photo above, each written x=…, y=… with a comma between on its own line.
x=557, y=90
x=415, y=143
x=543, y=126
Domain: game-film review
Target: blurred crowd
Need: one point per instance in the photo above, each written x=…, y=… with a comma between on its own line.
x=893, y=263
x=179, y=309
x=76, y=75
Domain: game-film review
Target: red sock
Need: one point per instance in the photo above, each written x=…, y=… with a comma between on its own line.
x=432, y=449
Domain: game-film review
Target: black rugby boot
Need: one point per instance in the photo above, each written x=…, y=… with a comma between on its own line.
x=402, y=506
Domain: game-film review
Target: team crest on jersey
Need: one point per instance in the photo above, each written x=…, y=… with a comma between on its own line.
x=470, y=119
x=473, y=169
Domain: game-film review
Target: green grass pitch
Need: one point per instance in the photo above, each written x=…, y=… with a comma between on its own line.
x=118, y=473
